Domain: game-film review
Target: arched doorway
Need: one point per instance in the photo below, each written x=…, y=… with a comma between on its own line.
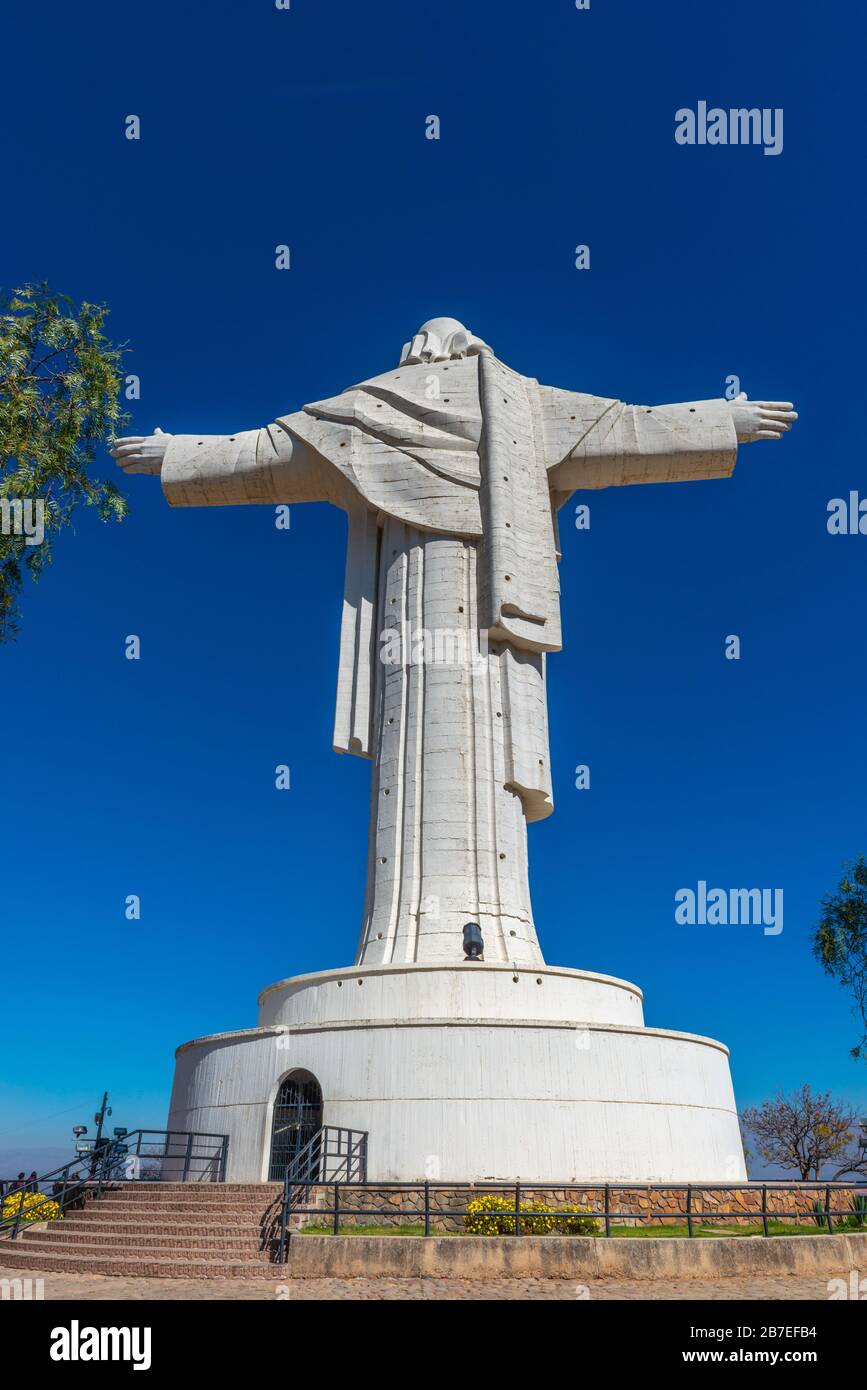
x=297, y=1117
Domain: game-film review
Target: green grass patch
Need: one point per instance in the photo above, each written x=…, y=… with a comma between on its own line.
x=667, y=1232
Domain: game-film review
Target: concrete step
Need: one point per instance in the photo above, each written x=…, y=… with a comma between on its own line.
x=157, y=1191
x=144, y=1263
x=147, y=1196
x=214, y=1194
x=195, y=1210
x=135, y=1230
x=150, y=1251
x=204, y=1238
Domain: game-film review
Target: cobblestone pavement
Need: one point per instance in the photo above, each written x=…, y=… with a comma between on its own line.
x=97, y=1287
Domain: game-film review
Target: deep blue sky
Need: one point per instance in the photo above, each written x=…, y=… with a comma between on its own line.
x=155, y=777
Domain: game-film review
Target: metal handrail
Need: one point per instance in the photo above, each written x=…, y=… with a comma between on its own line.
x=310, y=1168
x=823, y=1214
x=101, y=1170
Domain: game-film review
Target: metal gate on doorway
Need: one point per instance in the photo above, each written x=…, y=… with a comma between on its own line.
x=297, y=1118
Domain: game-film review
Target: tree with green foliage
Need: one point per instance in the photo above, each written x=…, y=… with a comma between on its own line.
x=60, y=385
x=802, y=1131
x=840, y=940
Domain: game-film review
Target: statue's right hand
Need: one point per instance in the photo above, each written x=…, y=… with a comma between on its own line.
x=140, y=453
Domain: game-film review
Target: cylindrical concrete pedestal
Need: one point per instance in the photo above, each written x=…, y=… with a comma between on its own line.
x=473, y=1072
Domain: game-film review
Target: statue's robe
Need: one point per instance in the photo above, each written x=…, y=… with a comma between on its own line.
x=451, y=474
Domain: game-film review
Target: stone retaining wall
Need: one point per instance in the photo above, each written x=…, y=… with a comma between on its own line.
x=582, y=1259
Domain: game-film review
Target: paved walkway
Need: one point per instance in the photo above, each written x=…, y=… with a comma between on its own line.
x=97, y=1287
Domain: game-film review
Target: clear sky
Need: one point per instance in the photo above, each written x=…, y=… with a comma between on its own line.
x=306, y=127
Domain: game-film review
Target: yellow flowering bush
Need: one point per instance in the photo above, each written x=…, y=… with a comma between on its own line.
x=576, y=1221
x=34, y=1206
x=486, y=1216
x=481, y=1218
x=537, y=1219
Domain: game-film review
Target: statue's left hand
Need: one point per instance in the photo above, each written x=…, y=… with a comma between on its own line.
x=761, y=419
x=140, y=453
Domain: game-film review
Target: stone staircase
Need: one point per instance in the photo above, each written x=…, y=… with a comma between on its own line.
x=159, y=1230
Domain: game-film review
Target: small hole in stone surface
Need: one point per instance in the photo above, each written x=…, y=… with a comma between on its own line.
x=513, y=933
x=379, y=936
x=502, y=856
x=231, y=439
x=391, y=721
x=361, y=982
x=340, y=984
x=508, y=576
x=445, y=400
x=538, y=979
x=514, y=979
x=508, y=525
x=460, y=608
x=343, y=443
x=386, y=791
x=383, y=860
x=692, y=410
x=499, y=714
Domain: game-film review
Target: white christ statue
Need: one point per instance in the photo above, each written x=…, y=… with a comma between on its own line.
x=451, y=469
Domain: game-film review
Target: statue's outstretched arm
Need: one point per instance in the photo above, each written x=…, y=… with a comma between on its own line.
x=269, y=465
x=668, y=443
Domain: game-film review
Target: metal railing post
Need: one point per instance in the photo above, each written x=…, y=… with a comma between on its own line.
x=765, y=1208
x=828, y=1215
x=337, y=1208
x=188, y=1157
x=427, y=1208
x=607, y=1210
x=19, y=1213
x=689, y=1209
x=518, y=1209
x=284, y=1211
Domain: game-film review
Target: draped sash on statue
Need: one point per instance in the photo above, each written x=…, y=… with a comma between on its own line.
x=451, y=448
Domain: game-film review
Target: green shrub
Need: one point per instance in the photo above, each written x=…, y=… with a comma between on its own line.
x=575, y=1221
x=537, y=1219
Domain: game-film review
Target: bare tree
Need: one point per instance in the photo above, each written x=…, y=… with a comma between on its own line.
x=855, y=1161
x=802, y=1131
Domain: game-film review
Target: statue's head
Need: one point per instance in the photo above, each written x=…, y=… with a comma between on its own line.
x=440, y=339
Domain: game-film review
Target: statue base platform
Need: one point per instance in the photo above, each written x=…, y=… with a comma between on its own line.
x=472, y=1072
